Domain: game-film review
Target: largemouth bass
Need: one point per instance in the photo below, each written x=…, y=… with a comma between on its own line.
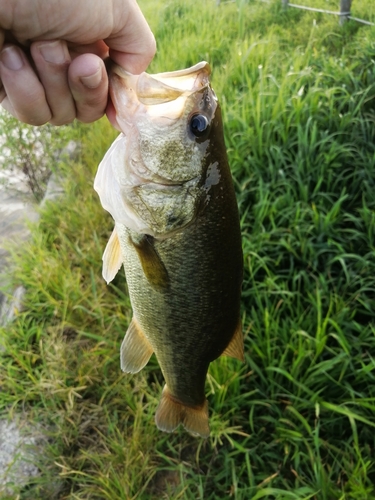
x=167, y=184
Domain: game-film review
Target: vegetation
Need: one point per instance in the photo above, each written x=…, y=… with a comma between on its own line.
x=30, y=153
x=297, y=420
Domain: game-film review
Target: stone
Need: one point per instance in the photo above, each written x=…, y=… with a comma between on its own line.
x=11, y=306
x=17, y=453
x=17, y=210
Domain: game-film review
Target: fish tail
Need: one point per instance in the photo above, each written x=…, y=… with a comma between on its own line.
x=171, y=412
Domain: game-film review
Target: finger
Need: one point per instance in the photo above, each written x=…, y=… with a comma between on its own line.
x=98, y=48
x=52, y=61
x=25, y=99
x=133, y=46
x=2, y=91
x=89, y=86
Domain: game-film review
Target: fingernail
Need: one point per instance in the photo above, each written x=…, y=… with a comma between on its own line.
x=92, y=81
x=53, y=52
x=11, y=58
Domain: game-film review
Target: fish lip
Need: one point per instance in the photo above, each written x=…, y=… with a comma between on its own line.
x=198, y=69
x=131, y=93
x=186, y=71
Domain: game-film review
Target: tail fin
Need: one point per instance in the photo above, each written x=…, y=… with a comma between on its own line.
x=170, y=413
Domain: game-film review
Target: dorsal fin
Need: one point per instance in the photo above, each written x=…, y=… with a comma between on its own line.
x=112, y=259
x=235, y=347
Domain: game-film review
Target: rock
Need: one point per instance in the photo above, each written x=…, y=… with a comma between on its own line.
x=17, y=456
x=9, y=307
x=17, y=210
x=55, y=187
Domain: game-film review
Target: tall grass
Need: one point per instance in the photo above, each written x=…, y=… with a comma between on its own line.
x=296, y=421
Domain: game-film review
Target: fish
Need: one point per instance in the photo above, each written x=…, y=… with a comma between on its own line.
x=167, y=184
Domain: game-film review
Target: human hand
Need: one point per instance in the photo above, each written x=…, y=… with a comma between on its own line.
x=52, y=51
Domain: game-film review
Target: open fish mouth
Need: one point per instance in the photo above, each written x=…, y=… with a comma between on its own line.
x=160, y=98
x=160, y=88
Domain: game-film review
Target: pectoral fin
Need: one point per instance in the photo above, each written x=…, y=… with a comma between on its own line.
x=152, y=265
x=235, y=347
x=171, y=412
x=112, y=259
x=135, y=349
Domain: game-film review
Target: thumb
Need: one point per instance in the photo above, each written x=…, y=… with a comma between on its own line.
x=133, y=46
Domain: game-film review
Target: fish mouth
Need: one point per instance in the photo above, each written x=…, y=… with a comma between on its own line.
x=164, y=87
x=160, y=94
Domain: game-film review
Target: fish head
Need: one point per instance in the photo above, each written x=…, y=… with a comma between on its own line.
x=152, y=179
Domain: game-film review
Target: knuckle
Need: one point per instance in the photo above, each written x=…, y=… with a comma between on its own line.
x=36, y=121
x=89, y=117
x=58, y=120
x=91, y=109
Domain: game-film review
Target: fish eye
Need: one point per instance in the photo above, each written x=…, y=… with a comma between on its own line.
x=198, y=125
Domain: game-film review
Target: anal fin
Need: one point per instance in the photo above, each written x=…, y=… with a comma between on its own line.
x=135, y=350
x=171, y=412
x=112, y=259
x=235, y=348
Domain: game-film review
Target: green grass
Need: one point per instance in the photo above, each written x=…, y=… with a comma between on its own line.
x=297, y=420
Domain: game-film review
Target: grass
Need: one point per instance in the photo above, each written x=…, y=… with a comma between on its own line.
x=296, y=421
